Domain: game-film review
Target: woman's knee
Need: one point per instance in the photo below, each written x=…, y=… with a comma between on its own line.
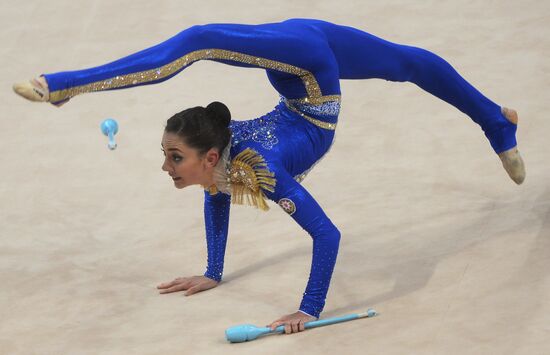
x=416, y=62
x=401, y=63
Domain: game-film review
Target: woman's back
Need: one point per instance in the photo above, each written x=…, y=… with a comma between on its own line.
x=283, y=137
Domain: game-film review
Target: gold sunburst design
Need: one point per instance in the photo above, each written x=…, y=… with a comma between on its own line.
x=249, y=176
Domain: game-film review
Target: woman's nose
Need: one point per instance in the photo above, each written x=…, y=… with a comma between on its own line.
x=165, y=166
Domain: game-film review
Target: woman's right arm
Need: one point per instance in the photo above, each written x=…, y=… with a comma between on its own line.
x=216, y=218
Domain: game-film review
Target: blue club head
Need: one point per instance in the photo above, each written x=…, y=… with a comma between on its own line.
x=243, y=332
x=109, y=127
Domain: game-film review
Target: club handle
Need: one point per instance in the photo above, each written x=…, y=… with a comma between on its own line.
x=319, y=323
x=112, y=143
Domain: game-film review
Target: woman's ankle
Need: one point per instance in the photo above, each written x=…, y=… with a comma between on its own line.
x=42, y=80
x=501, y=132
x=510, y=114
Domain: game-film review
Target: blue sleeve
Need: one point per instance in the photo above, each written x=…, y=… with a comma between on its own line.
x=216, y=219
x=296, y=57
x=294, y=199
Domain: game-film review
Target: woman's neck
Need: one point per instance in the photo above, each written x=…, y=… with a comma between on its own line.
x=208, y=178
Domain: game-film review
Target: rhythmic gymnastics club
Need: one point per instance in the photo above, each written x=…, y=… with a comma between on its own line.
x=246, y=332
x=109, y=127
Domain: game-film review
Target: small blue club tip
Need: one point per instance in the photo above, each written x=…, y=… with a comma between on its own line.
x=109, y=127
x=371, y=312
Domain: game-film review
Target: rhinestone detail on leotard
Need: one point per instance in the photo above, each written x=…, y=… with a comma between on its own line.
x=327, y=108
x=260, y=130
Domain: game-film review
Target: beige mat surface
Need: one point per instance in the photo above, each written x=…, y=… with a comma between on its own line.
x=435, y=236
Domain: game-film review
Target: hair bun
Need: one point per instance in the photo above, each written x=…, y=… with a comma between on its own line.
x=219, y=112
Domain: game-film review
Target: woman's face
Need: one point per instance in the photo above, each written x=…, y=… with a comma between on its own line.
x=184, y=164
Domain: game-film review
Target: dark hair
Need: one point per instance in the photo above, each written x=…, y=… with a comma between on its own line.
x=202, y=128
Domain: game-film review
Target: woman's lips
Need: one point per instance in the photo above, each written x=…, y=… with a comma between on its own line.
x=176, y=179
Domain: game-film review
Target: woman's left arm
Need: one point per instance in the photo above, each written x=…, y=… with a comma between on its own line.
x=302, y=207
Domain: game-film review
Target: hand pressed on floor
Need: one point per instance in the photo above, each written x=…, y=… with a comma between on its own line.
x=192, y=284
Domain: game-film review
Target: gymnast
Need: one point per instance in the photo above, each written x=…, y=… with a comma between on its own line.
x=266, y=158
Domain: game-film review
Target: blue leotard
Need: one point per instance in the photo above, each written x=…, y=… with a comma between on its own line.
x=304, y=60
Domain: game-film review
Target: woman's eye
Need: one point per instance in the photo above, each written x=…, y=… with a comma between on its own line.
x=176, y=158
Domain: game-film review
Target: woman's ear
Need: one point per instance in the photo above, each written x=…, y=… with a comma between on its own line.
x=212, y=157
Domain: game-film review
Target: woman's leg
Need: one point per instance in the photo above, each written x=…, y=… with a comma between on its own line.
x=289, y=51
x=361, y=55
x=149, y=66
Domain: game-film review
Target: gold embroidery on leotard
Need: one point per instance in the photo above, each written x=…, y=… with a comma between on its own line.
x=249, y=176
x=212, y=190
x=320, y=100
